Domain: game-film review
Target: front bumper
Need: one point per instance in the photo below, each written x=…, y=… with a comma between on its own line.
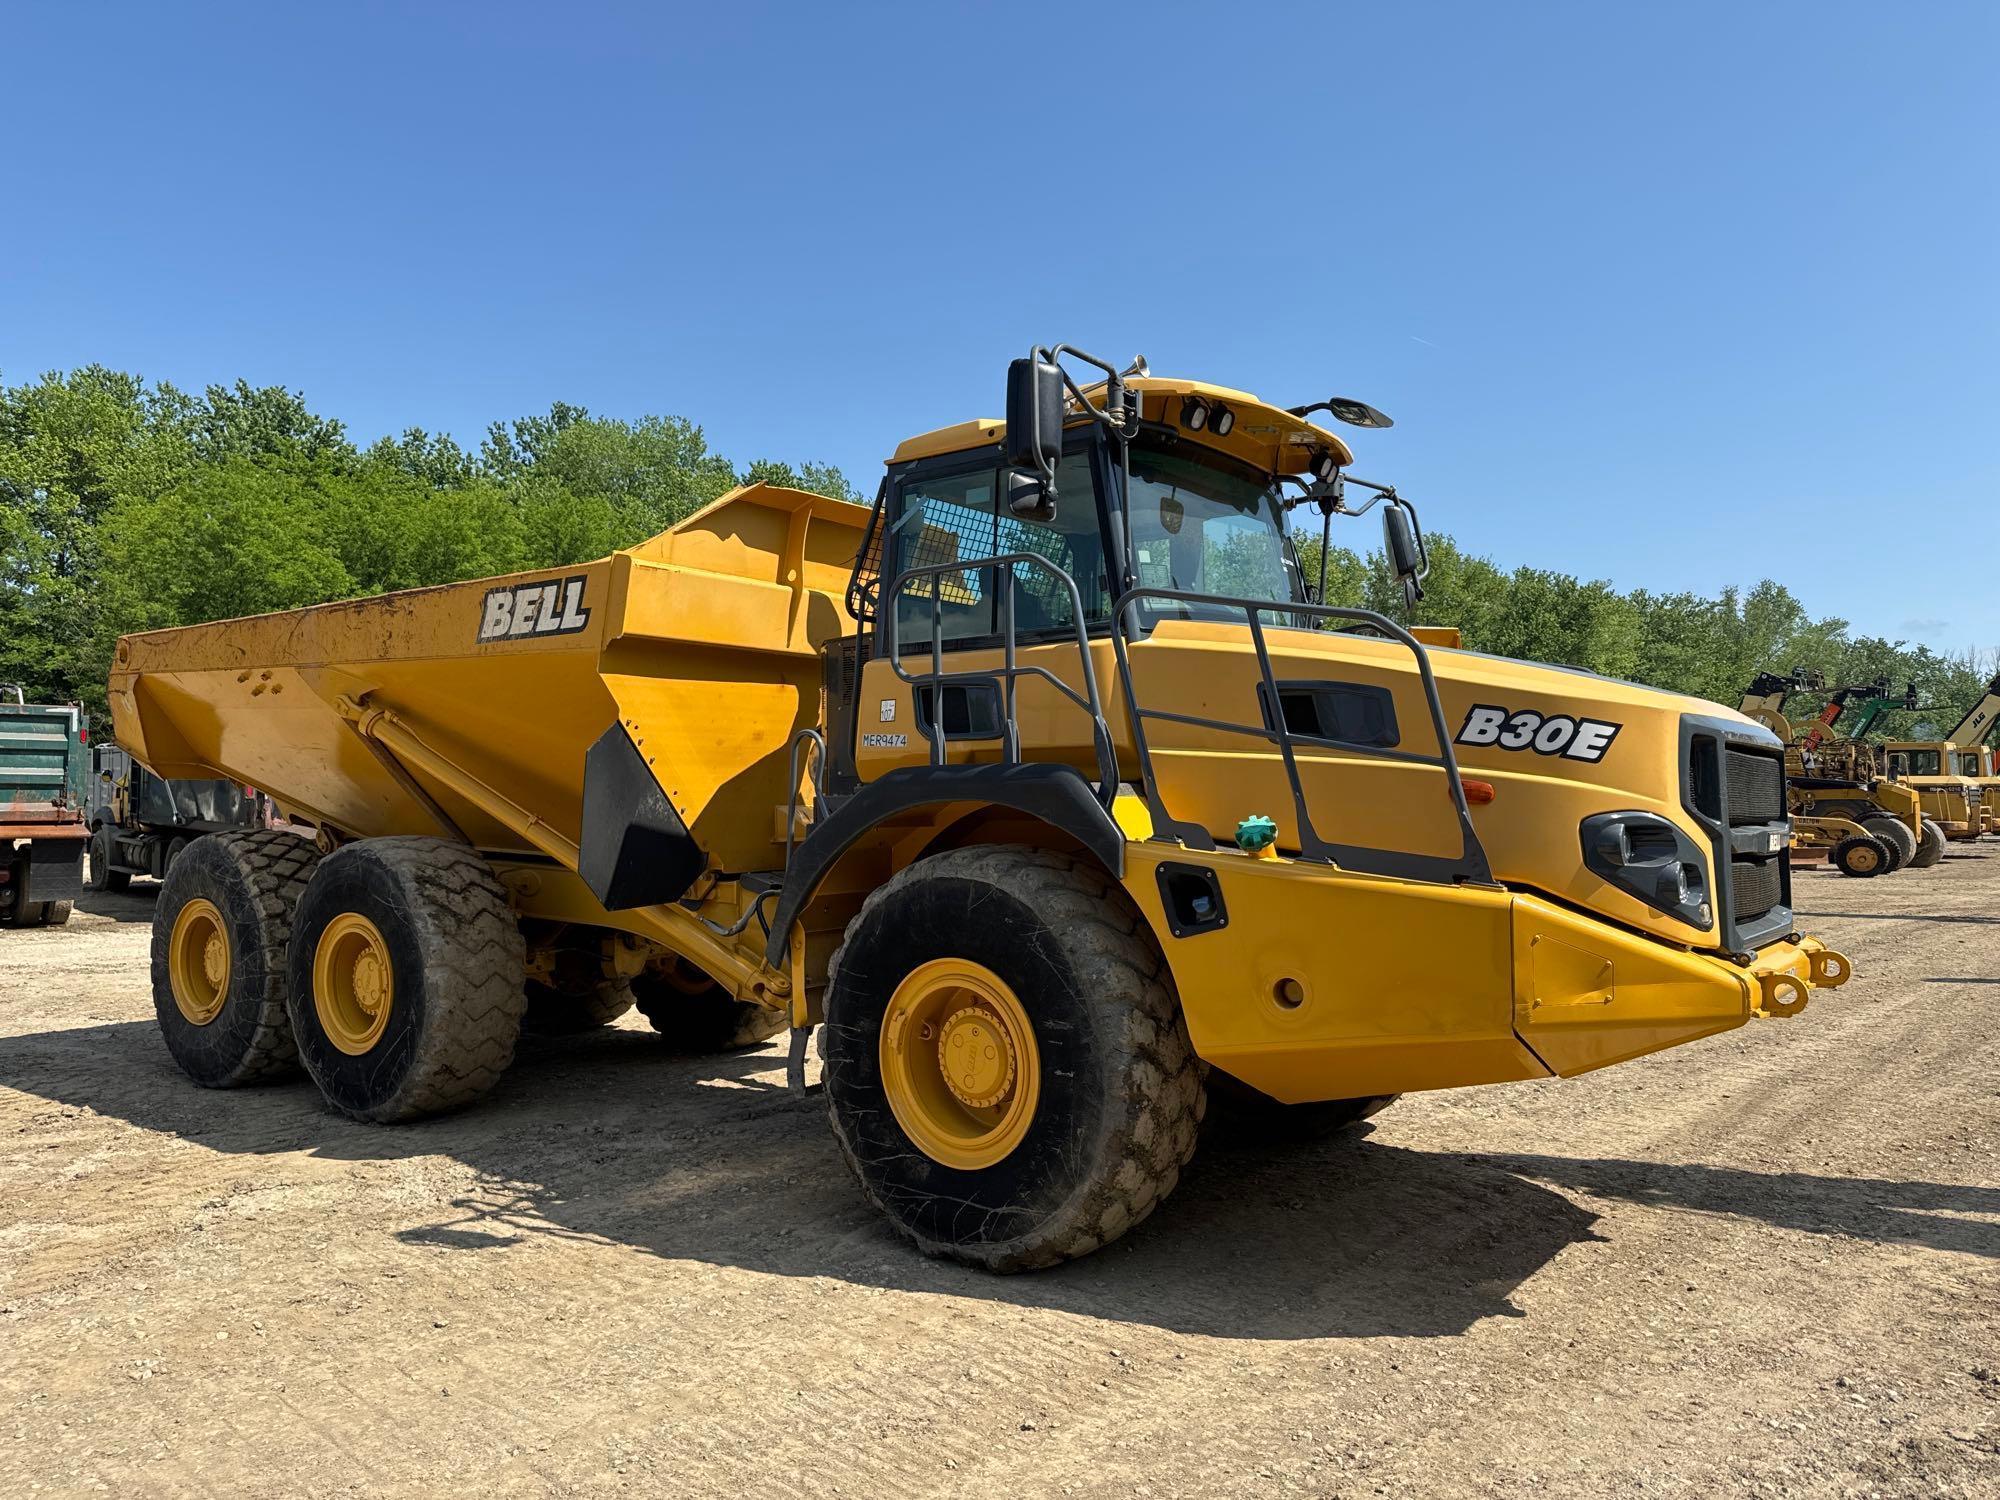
x=1321, y=984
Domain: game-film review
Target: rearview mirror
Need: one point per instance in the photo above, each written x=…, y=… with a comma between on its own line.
x=1029, y=497
x=1034, y=415
x=1405, y=551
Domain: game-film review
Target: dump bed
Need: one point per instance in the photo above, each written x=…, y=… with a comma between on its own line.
x=702, y=643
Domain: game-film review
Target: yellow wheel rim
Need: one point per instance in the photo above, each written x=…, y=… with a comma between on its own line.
x=1863, y=858
x=959, y=1063
x=198, y=962
x=354, y=985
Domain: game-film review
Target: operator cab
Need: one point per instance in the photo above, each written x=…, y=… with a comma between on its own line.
x=1140, y=483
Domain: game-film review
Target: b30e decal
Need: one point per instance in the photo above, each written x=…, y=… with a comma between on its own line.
x=530, y=609
x=1552, y=734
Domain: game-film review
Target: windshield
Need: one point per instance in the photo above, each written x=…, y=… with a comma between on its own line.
x=1919, y=762
x=1205, y=528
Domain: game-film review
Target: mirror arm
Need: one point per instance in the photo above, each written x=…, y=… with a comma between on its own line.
x=1113, y=413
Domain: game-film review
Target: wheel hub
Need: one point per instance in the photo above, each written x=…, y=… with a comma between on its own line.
x=976, y=1057
x=354, y=984
x=198, y=962
x=960, y=1063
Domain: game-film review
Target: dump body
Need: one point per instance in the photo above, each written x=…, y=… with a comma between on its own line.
x=699, y=647
x=43, y=760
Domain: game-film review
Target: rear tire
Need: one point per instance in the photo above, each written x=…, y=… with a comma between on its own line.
x=695, y=1015
x=223, y=1015
x=56, y=913
x=1930, y=848
x=1862, y=856
x=1902, y=843
x=578, y=996
x=407, y=978
x=1117, y=1095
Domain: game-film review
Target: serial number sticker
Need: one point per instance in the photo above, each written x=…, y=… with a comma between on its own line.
x=886, y=741
x=534, y=609
x=1525, y=729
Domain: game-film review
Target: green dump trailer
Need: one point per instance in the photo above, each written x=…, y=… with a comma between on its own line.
x=44, y=767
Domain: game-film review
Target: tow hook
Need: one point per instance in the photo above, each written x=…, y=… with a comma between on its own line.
x=1830, y=970
x=1781, y=995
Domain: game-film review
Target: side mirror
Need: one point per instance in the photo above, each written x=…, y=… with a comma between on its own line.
x=1029, y=497
x=1405, y=551
x=1034, y=415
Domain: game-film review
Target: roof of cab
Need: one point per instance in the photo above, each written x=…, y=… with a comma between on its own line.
x=1267, y=436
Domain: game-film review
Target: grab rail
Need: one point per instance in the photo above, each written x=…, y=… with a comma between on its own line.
x=1012, y=670
x=1470, y=864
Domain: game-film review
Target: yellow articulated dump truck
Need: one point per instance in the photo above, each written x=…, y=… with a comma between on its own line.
x=1042, y=789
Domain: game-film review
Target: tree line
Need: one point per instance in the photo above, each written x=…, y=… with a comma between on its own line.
x=128, y=505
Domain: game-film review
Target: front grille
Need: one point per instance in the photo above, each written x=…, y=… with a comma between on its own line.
x=1755, y=886
x=1756, y=787
x=1737, y=790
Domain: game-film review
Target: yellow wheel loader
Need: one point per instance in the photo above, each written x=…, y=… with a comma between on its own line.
x=1041, y=789
x=1836, y=788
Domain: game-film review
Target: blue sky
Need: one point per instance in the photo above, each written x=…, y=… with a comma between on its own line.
x=1666, y=295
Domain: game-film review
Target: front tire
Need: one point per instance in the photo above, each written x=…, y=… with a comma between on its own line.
x=407, y=978
x=1862, y=856
x=222, y=934
x=1007, y=1070
x=1930, y=847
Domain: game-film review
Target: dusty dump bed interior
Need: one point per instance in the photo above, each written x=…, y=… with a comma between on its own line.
x=701, y=644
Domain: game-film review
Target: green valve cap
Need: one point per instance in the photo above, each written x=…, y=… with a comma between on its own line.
x=1256, y=832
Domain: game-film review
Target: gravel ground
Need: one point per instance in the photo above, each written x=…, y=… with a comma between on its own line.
x=1767, y=1264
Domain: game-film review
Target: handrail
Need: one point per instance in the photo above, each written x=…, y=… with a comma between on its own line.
x=805, y=736
x=1471, y=863
x=1011, y=670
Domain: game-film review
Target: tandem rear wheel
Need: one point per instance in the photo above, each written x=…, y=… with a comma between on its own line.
x=1007, y=1070
x=406, y=976
x=221, y=938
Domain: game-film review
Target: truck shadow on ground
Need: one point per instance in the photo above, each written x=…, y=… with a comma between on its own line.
x=610, y=1138
x=133, y=905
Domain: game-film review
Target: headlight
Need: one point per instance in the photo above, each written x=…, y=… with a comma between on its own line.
x=1652, y=860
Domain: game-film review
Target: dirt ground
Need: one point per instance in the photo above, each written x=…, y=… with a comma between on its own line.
x=1764, y=1264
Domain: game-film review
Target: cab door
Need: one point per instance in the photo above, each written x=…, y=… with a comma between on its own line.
x=940, y=513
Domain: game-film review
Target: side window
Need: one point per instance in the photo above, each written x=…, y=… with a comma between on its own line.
x=941, y=521
x=958, y=518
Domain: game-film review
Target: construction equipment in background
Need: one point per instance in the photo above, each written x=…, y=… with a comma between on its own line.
x=140, y=823
x=1927, y=767
x=1971, y=753
x=42, y=832
x=1837, y=789
x=982, y=778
